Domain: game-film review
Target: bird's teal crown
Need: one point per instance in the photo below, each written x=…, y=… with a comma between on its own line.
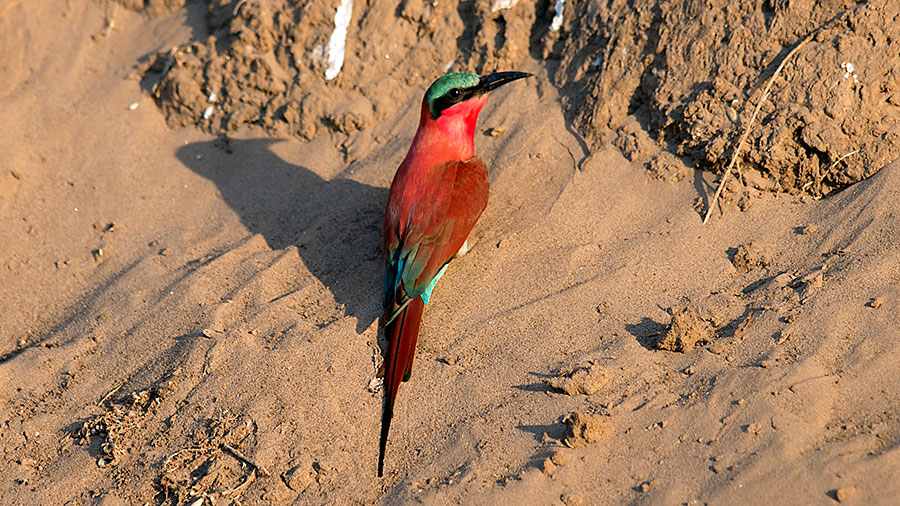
x=437, y=94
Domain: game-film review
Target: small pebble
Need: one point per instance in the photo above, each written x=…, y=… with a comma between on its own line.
x=731, y=113
x=716, y=349
x=782, y=279
x=133, y=106
x=844, y=493
x=571, y=499
x=783, y=336
x=875, y=302
x=560, y=457
x=548, y=466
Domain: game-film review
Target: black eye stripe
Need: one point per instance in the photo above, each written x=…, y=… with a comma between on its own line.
x=452, y=97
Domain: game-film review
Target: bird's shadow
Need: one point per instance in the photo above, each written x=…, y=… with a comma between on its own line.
x=335, y=224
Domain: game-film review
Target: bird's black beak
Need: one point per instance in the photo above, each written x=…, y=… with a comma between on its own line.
x=498, y=79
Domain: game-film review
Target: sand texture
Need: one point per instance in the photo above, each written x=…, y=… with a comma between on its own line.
x=189, y=304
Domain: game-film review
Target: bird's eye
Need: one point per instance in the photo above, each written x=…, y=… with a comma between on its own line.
x=454, y=93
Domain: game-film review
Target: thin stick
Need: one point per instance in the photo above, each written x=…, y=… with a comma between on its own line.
x=111, y=21
x=746, y=133
x=839, y=160
x=110, y=394
x=240, y=456
x=10, y=6
x=240, y=488
x=179, y=452
x=831, y=167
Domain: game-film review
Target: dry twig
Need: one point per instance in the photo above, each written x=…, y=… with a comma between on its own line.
x=111, y=21
x=831, y=168
x=9, y=7
x=746, y=133
x=110, y=394
x=240, y=456
x=839, y=160
x=240, y=488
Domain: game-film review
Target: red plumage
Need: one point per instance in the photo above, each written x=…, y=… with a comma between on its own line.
x=438, y=193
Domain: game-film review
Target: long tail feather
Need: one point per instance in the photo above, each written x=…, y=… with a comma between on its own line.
x=402, y=335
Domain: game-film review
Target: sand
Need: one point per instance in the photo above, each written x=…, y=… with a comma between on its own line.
x=189, y=318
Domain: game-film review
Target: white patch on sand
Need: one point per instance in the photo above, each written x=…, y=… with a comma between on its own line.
x=557, y=22
x=337, y=43
x=503, y=4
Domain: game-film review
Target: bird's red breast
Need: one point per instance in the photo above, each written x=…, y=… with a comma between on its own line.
x=437, y=194
x=449, y=138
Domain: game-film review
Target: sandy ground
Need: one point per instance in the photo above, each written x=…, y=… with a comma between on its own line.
x=169, y=296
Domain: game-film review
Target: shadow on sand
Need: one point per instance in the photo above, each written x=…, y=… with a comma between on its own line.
x=336, y=224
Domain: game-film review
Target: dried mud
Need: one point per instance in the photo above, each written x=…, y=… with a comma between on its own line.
x=674, y=75
x=584, y=429
x=582, y=379
x=694, y=72
x=264, y=63
x=685, y=332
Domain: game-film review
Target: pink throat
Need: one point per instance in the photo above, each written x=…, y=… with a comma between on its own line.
x=450, y=137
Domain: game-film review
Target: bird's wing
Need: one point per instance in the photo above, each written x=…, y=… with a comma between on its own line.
x=420, y=242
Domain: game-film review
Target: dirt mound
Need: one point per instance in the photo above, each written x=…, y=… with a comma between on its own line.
x=278, y=64
x=690, y=74
x=583, y=429
x=685, y=332
x=583, y=379
x=694, y=73
x=750, y=256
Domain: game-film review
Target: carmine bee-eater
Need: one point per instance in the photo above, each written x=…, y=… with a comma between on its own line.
x=437, y=195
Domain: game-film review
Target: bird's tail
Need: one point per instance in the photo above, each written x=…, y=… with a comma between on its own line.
x=402, y=334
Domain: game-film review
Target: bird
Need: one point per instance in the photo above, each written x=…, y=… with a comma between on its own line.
x=437, y=194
